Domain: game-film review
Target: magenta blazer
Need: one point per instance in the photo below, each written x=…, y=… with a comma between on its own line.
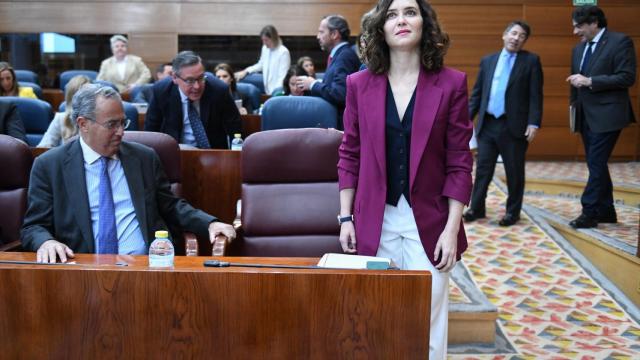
x=440, y=159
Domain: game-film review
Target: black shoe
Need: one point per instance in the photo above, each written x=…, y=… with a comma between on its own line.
x=584, y=221
x=471, y=215
x=508, y=220
x=609, y=218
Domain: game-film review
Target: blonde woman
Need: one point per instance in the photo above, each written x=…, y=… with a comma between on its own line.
x=62, y=128
x=9, y=83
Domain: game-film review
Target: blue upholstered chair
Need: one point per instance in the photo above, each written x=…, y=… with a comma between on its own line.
x=130, y=112
x=35, y=114
x=26, y=76
x=252, y=92
x=67, y=75
x=286, y=112
x=36, y=88
x=255, y=79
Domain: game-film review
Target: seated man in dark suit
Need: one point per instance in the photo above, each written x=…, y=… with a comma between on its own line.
x=99, y=194
x=10, y=121
x=333, y=34
x=192, y=108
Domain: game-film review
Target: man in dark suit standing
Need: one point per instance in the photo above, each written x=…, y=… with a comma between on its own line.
x=603, y=68
x=99, y=194
x=333, y=36
x=507, y=98
x=192, y=108
x=10, y=121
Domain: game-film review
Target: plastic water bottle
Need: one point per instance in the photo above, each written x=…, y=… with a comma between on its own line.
x=237, y=142
x=161, y=251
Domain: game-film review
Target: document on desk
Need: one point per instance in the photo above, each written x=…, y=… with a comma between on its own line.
x=344, y=261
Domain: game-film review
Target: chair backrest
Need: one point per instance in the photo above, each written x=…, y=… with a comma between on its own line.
x=136, y=92
x=16, y=161
x=36, y=88
x=286, y=112
x=35, y=114
x=252, y=92
x=167, y=149
x=67, y=75
x=254, y=79
x=27, y=76
x=290, y=193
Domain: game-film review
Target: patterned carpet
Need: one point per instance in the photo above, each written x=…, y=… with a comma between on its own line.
x=551, y=307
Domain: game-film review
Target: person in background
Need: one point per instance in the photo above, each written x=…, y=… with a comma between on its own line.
x=100, y=194
x=123, y=70
x=274, y=60
x=192, y=108
x=224, y=72
x=9, y=84
x=290, y=84
x=146, y=91
x=404, y=164
x=306, y=64
x=62, y=128
x=333, y=37
x=603, y=68
x=10, y=121
x=507, y=97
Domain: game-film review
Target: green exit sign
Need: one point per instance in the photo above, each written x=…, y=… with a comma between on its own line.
x=584, y=2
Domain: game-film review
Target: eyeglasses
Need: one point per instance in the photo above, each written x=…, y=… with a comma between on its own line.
x=191, y=81
x=115, y=124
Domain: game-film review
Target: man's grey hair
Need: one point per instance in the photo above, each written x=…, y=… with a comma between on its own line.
x=339, y=23
x=84, y=101
x=116, y=38
x=184, y=59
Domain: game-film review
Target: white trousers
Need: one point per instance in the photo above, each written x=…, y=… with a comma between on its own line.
x=400, y=242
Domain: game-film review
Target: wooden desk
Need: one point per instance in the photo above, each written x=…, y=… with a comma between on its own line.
x=99, y=309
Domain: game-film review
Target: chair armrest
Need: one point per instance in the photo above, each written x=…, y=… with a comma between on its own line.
x=12, y=246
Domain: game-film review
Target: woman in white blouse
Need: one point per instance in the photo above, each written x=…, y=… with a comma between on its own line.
x=274, y=60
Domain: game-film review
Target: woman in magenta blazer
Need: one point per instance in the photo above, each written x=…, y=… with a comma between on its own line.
x=405, y=165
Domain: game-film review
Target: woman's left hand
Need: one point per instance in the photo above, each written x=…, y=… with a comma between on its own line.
x=446, y=250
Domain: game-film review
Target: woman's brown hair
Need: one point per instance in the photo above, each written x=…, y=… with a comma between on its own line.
x=433, y=45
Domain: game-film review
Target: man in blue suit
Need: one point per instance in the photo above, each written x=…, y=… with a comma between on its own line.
x=333, y=36
x=603, y=68
x=192, y=108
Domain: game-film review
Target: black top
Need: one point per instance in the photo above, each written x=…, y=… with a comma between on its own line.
x=398, y=145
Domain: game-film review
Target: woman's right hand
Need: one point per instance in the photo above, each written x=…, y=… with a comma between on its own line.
x=240, y=75
x=348, y=237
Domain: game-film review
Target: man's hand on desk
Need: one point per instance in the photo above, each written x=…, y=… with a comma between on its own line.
x=50, y=249
x=221, y=229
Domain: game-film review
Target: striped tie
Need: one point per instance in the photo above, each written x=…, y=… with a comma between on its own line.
x=107, y=234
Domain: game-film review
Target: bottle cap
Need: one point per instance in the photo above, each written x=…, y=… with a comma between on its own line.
x=162, y=234
x=237, y=135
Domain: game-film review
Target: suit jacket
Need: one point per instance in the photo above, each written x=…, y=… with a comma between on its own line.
x=606, y=105
x=136, y=72
x=58, y=204
x=218, y=112
x=523, y=97
x=440, y=159
x=333, y=87
x=10, y=121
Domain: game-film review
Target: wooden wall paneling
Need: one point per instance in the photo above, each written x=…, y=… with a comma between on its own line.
x=153, y=48
x=289, y=19
x=104, y=17
x=555, y=19
x=478, y=19
x=553, y=50
x=555, y=112
x=467, y=50
x=553, y=143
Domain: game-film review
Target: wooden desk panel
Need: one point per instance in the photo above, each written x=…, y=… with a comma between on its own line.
x=97, y=308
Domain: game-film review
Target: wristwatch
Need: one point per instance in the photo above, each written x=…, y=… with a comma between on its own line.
x=344, y=219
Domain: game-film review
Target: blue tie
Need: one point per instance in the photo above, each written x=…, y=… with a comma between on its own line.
x=198, y=130
x=107, y=234
x=496, y=102
x=587, y=56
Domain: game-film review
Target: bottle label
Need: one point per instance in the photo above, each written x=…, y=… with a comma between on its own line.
x=236, y=147
x=160, y=261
